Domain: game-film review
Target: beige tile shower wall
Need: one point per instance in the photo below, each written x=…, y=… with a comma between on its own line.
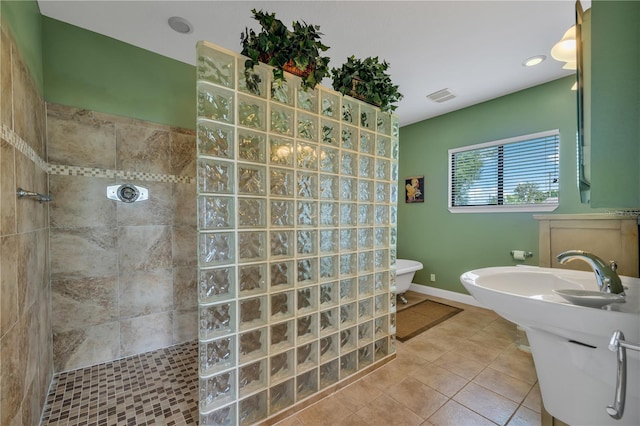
x=26, y=361
x=123, y=276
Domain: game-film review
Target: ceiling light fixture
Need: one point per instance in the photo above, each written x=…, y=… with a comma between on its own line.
x=533, y=61
x=441, y=96
x=565, y=49
x=180, y=25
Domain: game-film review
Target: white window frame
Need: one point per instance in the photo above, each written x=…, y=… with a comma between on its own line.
x=538, y=207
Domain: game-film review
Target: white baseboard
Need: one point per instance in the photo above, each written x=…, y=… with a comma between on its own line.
x=446, y=294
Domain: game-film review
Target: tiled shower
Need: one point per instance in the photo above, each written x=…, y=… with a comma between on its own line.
x=297, y=194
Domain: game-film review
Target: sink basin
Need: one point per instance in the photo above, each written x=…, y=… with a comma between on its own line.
x=576, y=370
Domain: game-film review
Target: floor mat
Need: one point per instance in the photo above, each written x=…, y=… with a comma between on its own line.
x=414, y=320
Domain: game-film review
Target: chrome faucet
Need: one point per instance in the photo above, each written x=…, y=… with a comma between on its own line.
x=606, y=275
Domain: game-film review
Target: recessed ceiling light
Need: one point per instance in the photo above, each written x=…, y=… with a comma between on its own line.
x=180, y=25
x=533, y=61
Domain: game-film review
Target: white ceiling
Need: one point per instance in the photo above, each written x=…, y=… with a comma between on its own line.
x=473, y=48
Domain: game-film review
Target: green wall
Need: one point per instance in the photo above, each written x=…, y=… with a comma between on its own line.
x=449, y=244
x=23, y=19
x=88, y=70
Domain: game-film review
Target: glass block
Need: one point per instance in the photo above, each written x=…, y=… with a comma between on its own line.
x=381, y=348
x=215, y=212
x=307, y=127
x=307, y=213
x=282, y=244
x=217, y=355
x=306, y=356
x=348, y=315
x=395, y=149
x=282, y=305
x=392, y=279
x=282, y=336
x=330, y=103
x=348, y=364
x=381, y=282
x=252, y=246
x=395, y=126
x=307, y=271
x=382, y=215
x=384, y=122
x=329, y=214
x=367, y=117
x=348, y=339
x=216, y=285
x=329, y=160
x=393, y=192
x=393, y=215
x=365, y=309
x=392, y=256
x=252, y=344
x=365, y=333
x=307, y=384
x=280, y=151
x=252, y=213
x=282, y=213
x=348, y=214
x=348, y=189
x=367, y=143
x=307, y=300
x=329, y=373
x=253, y=81
x=383, y=169
x=365, y=214
x=329, y=187
x=225, y=416
x=348, y=264
x=252, y=146
x=252, y=279
x=382, y=192
x=381, y=305
x=392, y=323
x=308, y=99
x=253, y=312
x=215, y=103
x=392, y=302
x=329, y=321
x=366, y=166
x=252, y=180
x=281, y=275
x=215, y=66
x=217, y=390
x=282, y=91
x=328, y=267
x=393, y=235
x=281, y=120
x=252, y=113
x=282, y=366
x=365, y=191
x=329, y=294
x=307, y=185
x=383, y=147
x=365, y=285
x=281, y=182
x=216, y=249
x=365, y=356
x=307, y=156
x=329, y=346
x=381, y=326
x=392, y=343
x=306, y=328
x=282, y=395
x=350, y=111
x=329, y=132
x=365, y=262
x=215, y=140
x=381, y=259
x=215, y=176
x=307, y=242
x=348, y=240
x=365, y=238
x=348, y=164
x=253, y=408
x=252, y=377
x=393, y=174
x=349, y=138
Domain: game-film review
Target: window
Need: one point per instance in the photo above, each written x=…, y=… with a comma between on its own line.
x=515, y=174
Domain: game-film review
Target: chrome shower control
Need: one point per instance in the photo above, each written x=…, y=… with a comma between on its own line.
x=127, y=193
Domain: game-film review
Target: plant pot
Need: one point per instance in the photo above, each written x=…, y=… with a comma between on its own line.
x=355, y=94
x=292, y=69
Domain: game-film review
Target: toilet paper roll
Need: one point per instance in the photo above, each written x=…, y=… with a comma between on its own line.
x=519, y=254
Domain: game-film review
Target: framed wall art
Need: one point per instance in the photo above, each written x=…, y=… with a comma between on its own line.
x=414, y=187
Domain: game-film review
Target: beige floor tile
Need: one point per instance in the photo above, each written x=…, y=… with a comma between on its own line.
x=418, y=397
x=503, y=384
x=525, y=417
x=290, y=421
x=454, y=414
x=328, y=411
x=386, y=377
x=477, y=352
x=516, y=363
x=425, y=349
x=501, y=328
x=440, y=379
x=358, y=394
x=406, y=363
x=487, y=339
x=352, y=420
x=486, y=403
x=533, y=400
x=460, y=365
x=385, y=411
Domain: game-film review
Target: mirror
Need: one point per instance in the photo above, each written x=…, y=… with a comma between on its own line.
x=583, y=107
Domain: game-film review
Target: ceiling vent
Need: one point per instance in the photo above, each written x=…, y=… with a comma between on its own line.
x=441, y=96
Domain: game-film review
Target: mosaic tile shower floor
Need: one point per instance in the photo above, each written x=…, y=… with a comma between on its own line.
x=465, y=371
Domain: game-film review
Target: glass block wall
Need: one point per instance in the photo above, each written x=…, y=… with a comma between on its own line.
x=297, y=199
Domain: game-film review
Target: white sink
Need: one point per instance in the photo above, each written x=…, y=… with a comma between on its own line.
x=576, y=370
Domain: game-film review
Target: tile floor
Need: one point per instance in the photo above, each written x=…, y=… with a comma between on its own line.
x=465, y=371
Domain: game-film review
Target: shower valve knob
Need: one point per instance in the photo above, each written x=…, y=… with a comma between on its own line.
x=127, y=193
